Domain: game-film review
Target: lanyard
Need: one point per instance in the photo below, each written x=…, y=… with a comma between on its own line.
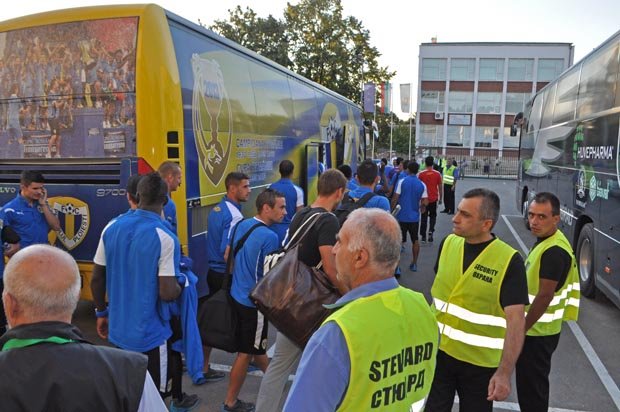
x=22, y=343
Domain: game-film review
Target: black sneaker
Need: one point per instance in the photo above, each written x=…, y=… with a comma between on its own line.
x=189, y=403
x=430, y=237
x=212, y=375
x=423, y=239
x=239, y=406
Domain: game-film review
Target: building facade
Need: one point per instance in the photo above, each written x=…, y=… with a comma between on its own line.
x=469, y=93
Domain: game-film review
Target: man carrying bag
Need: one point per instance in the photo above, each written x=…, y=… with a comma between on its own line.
x=315, y=249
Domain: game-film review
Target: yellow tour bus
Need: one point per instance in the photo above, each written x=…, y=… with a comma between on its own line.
x=91, y=96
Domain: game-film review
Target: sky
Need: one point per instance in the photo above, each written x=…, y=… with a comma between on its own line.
x=398, y=27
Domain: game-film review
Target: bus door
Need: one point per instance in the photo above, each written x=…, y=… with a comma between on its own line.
x=310, y=173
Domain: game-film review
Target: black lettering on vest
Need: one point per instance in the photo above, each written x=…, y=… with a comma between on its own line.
x=428, y=350
x=386, y=395
x=420, y=384
x=376, y=399
x=386, y=363
x=400, y=392
x=419, y=353
x=393, y=364
x=375, y=373
x=411, y=379
x=408, y=356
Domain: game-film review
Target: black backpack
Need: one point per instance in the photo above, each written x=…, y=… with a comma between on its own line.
x=349, y=204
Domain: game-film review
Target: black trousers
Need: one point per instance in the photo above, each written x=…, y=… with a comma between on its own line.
x=532, y=372
x=166, y=369
x=448, y=198
x=471, y=382
x=431, y=211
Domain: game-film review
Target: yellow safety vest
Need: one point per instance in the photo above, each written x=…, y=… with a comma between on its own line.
x=392, y=341
x=448, y=175
x=471, y=319
x=565, y=303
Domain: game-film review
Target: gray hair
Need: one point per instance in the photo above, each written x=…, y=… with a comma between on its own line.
x=36, y=295
x=378, y=232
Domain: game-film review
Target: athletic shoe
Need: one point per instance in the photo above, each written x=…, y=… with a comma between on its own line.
x=239, y=406
x=210, y=376
x=430, y=237
x=252, y=367
x=189, y=403
x=444, y=211
x=402, y=248
x=413, y=267
x=423, y=239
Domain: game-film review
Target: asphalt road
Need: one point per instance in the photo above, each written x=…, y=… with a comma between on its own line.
x=586, y=366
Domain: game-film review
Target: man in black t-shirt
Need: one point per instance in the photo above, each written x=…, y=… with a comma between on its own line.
x=553, y=280
x=480, y=337
x=316, y=248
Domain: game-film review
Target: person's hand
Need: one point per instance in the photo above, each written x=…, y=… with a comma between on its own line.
x=499, y=387
x=102, y=327
x=43, y=198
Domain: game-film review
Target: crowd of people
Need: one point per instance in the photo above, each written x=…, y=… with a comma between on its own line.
x=382, y=347
x=47, y=72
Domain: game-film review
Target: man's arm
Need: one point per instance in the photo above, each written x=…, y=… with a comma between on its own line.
x=98, y=289
x=50, y=217
x=169, y=288
x=499, y=385
x=168, y=264
x=329, y=267
x=546, y=291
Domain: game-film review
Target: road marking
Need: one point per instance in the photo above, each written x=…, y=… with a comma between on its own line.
x=587, y=348
x=513, y=406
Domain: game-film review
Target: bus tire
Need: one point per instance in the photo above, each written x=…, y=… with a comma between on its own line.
x=585, y=260
x=524, y=210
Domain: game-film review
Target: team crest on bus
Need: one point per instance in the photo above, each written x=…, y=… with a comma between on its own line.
x=74, y=219
x=212, y=118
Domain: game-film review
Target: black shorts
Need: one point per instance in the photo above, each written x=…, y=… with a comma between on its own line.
x=215, y=280
x=251, y=330
x=411, y=228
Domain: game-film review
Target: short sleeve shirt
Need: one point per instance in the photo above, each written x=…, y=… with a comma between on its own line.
x=410, y=191
x=28, y=221
x=137, y=249
x=222, y=219
x=323, y=233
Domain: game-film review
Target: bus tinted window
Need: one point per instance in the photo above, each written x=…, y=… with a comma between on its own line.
x=597, y=87
x=533, y=123
x=566, y=97
x=69, y=90
x=548, y=105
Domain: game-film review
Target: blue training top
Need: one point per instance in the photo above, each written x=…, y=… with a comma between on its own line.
x=222, y=219
x=170, y=214
x=294, y=196
x=136, y=249
x=410, y=191
x=377, y=201
x=28, y=221
x=248, y=268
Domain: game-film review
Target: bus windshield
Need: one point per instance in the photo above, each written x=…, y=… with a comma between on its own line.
x=68, y=90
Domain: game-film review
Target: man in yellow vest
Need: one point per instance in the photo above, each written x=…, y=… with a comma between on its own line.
x=377, y=350
x=450, y=176
x=479, y=296
x=553, y=285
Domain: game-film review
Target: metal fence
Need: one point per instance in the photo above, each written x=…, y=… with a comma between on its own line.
x=482, y=163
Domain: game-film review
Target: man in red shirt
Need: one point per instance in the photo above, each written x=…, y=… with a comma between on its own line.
x=433, y=181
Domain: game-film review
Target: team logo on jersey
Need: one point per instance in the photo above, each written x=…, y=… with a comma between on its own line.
x=212, y=118
x=74, y=219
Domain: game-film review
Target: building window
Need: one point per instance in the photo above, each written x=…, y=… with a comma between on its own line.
x=434, y=69
x=520, y=69
x=486, y=137
x=458, y=136
x=549, y=69
x=432, y=101
x=510, y=142
x=515, y=102
x=430, y=135
x=489, y=103
x=460, y=102
x=462, y=69
x=491, y=70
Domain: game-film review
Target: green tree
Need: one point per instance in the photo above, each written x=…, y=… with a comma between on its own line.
x=265, y=36
x=314, y=40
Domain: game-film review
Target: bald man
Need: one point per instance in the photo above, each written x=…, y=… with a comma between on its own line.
x=346, y=368
x=43, y=350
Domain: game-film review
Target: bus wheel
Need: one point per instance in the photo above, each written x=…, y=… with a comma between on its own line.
x=585, y=260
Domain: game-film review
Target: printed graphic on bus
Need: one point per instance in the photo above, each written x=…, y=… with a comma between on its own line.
x=68, y=90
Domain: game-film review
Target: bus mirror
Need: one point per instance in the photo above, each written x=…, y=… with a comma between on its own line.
x=516, y=124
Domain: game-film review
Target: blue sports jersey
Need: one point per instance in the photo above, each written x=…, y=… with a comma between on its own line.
x=222, y=218
x=170, y=214
x=136, y=249
x=248, y=268
x=352, y=184
x=411, y=191
x=294, y=196
x=377, y=201
x=27, y=221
